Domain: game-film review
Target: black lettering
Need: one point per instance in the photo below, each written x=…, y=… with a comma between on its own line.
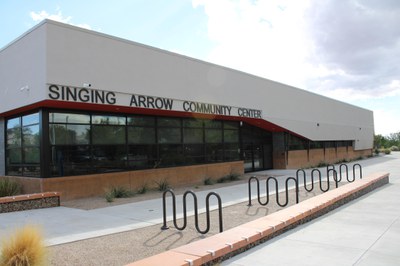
x=168, y=103
x=97, y=95
x=142, y=101
x=186, y=106
x=110, y=98
x=150, y=102
x=133, y=101
x=54, y=92
x=71, y=92
x=84, y=95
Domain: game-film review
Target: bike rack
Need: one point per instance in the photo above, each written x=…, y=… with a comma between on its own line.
x=305, y=180
x=196, y=214
x=276, y=190
x=354, y=170
x=330, y=171
x=347, y=172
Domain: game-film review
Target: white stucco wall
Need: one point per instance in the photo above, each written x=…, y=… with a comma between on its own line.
x=76, y=56
x=23, y=70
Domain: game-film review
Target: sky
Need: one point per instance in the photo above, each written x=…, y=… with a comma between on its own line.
x=347, y=50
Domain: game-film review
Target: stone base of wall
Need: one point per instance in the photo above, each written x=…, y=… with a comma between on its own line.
x=29, y=202
x=73, y=187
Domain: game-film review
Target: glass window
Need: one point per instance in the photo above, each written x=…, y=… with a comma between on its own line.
x=30, y=119
x=212, y=124
x=213, y=136
x=141, y=156
x=171, y=155
x=231, y=125
x=32, y=155
x=108, y=134
x=14, y=123
x=69, y=118
x=69, y=134
x=194, y=153
x=192, y=135
x=141, y=135
x=108, y=120
x=231, y=136
x=70, y=160
x=231, y=152
x=197, y=123
x=109, y=158
x=14, y=156
x=169, y=135
x=214, y=152
x=31, y=135
x=14, y=137
x=169, y=122
x=141, y=121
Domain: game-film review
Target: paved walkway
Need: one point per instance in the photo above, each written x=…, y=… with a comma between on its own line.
x=345, y=229
x=363, y=232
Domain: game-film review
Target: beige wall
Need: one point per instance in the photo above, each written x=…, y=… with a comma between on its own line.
x=74, y=187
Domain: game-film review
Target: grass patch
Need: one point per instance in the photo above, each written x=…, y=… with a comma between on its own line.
x=163, y=185
x=9, y=188
x=118, y=192
x=143, y=189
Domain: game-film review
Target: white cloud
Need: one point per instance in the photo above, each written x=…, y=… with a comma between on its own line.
x=39, y=16
x=258, y=37
x=347, y=50
x=386, y=122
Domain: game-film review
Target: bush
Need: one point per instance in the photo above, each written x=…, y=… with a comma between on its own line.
x=25, y=247
x=143, y=189
x=162, y=185
x=118, y=192
x=394, y=148
x=208, y=181
x=387, y=151
x=9, y=188
x=376, y=151
x=234, y=177
x=322, y=164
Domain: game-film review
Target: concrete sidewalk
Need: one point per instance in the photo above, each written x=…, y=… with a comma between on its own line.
x=62, y=225
x=363, y=232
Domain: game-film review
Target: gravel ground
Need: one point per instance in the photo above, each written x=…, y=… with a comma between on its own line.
x=127, y=247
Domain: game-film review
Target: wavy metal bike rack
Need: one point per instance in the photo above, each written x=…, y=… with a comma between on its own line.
x=196, y=212
x=346, y=168
x=276, y=190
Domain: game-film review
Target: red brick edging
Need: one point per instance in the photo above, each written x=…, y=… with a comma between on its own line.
x=236, y=240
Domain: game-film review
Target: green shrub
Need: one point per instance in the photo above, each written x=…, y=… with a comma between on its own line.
x=234, y=177
x=322, y=164
x=208, y=181
x=143, y=189
x=118, y=192
x=387, y=151
x=162, y=185
x=376, y=151
x=394, y=148
x=9, y=188
x=223, y=179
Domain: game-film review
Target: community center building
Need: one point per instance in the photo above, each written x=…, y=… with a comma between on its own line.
x=81, y=111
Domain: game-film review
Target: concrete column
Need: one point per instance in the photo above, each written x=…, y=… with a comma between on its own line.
x=2, y=148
